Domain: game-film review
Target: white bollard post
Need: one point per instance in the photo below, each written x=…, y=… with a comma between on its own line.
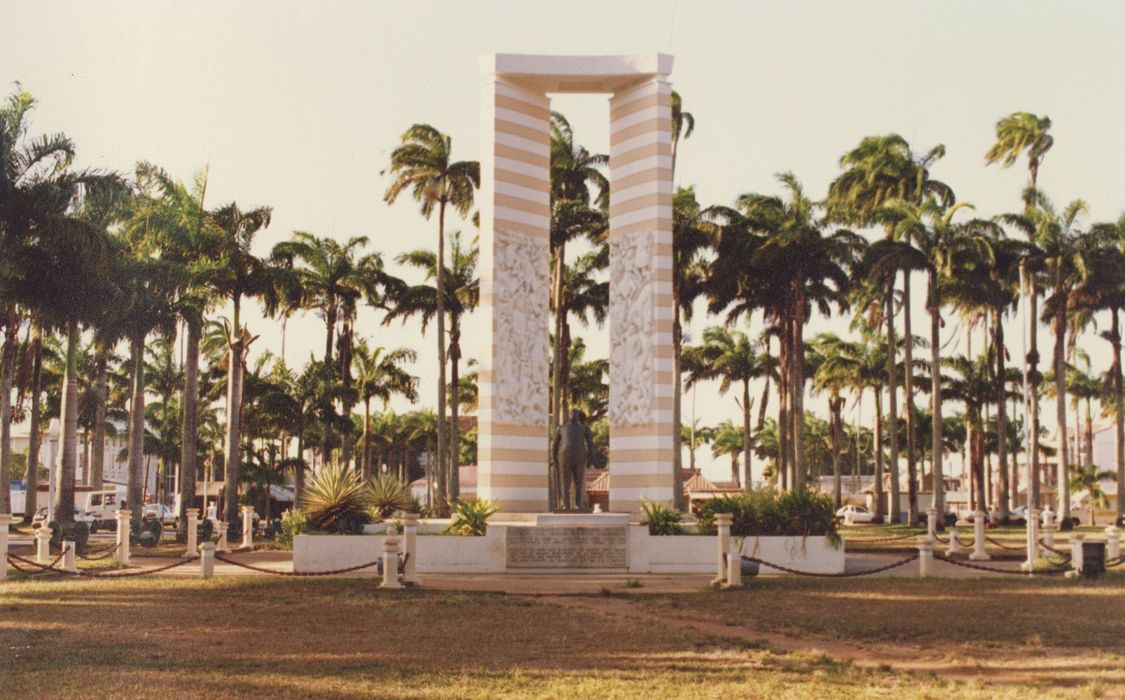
x=5, y=522
x=207, y=560
x=1032, y=539
x=123, y=521
x=931, y=523
x=849, y=518
x=390, y=564
x=722, y=524
x=925, y=556
x=1049, y=527
x=954, y=545
x=1076, y=555
x=192, y=530
x=69, y=563
x=978, y=537
x=247, y=527
x=43, y=545
x=410, y=548
x=223, y=546
x=734, y=566
x=1112, y=543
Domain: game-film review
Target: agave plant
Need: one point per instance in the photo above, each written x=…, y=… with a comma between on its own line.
x=334, y=500
x=661, y=520
x=471, y=517
x=385, y=495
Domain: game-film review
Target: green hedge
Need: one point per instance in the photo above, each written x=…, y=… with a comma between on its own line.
x=799, y=513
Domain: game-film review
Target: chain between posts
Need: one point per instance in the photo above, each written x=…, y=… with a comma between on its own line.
x=49, y=569
x=787, y=570
x=251, y=567
x=1000, y=544
x=102, y=553
x=995, y=570
x=874, y=540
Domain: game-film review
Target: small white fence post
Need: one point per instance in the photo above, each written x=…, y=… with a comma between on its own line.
x=978, y=537
x=5, y=522
x=722, y=524
x=1076, y=554
x=207, y=560
x=954, y=545
x=1112, y=543
x=1032, y=540
x=410, y=548
x=69, y=563
x=43, y=545
x=925, y=555
x=123, y=523
x=931, y=523
x=390, y=564
x=247, y=527
x=192, y=530
x=1049, y=527
x=734, y=565
x=223, y=546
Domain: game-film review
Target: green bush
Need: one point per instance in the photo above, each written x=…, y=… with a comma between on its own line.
x=151, y=532
x=386, y=495
x=334, y=500
x=471, y=517
x=661, y=519
x=799, y=513
x=293, y=523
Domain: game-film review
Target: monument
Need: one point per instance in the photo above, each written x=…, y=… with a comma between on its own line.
x=514, y=436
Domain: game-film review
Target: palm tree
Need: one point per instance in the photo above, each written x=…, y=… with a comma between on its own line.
x=1088, y=478
x=461, y=288
x=424, y=164
x=730, y=440
x=1019, y=132
x=878, y=170
x=380, y=376
x=729, y=357
x=234, y=272
x=835, y=373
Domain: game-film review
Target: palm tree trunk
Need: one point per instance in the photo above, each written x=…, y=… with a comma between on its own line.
x=1001, y=416
x=1060, y=408
x=365, y=458
x=440, y=496
x=190, y=419
x=347, y=447
x=101, y=399
x=937, y=431
x=877, y=448
x=908, y=375
x=836, y=403
x=1119, y=413
x=1033, y=379
x=784, y=423
x=679, y=501
x=454, y=406
x=6, y=371
x=895, y=507
x=135, y=495
x=330, y=331
x=234, y=419
x=797, y=352
x=68, y=425
x=976, y=451
x=34, y=429
x=299, y=479
x=1089, y=444
x=747, y=481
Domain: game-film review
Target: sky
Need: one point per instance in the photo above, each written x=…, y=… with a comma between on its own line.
x=298, y=105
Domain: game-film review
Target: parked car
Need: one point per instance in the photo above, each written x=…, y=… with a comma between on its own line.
x=855, y=514
x=103, y=505
x=79, y=517
x=161, y=512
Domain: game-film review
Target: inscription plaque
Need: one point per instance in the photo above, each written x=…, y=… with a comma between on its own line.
x=567, y=548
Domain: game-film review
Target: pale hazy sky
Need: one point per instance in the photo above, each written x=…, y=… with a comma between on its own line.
x=298, y=105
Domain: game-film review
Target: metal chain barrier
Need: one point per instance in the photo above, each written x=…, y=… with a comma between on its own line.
x=1001, y=545
x=14, y=558
x=875, y=540
x=1116, y=562
x=99, y=554
x=251, y=567
x=787, y=570
x=42, y=568
x=1051, y=549
x=995, y=570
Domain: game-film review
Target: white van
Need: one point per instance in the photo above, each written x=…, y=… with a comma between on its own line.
x=103, y=505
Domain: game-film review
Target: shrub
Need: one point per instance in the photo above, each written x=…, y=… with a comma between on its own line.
x=385, y=495
x=293, y=523
x=799, y=513
x=334, y=500
x=661, y=519
x=471, y=517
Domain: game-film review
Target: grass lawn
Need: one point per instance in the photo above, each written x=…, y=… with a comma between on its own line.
x=344, y=638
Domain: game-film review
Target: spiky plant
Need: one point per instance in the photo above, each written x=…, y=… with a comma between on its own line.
x=471, y=517
x=334, y=500
x=385, y=495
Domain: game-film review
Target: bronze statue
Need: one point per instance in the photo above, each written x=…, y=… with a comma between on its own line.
x=571, y=452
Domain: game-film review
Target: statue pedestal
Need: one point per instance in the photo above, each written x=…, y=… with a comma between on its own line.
x=582, y=519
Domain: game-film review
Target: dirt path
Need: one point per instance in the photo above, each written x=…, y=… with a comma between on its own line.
x=1050, y=666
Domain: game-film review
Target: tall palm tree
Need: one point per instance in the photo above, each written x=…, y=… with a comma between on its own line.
x=878, y=170
x=731, y=358
x=461, y=290
x=380, y=375
x=424, y=165
x=333, y=278
x=1017, y=133
x=730, y=440
x=233, y=271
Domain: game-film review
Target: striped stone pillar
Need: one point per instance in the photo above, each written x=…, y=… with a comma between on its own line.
x=641, y=445
x=515, y=287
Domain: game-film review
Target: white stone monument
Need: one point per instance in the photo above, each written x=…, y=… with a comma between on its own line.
x=514, y=435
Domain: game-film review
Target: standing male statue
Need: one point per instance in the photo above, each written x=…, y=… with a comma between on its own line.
x=571, y=452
